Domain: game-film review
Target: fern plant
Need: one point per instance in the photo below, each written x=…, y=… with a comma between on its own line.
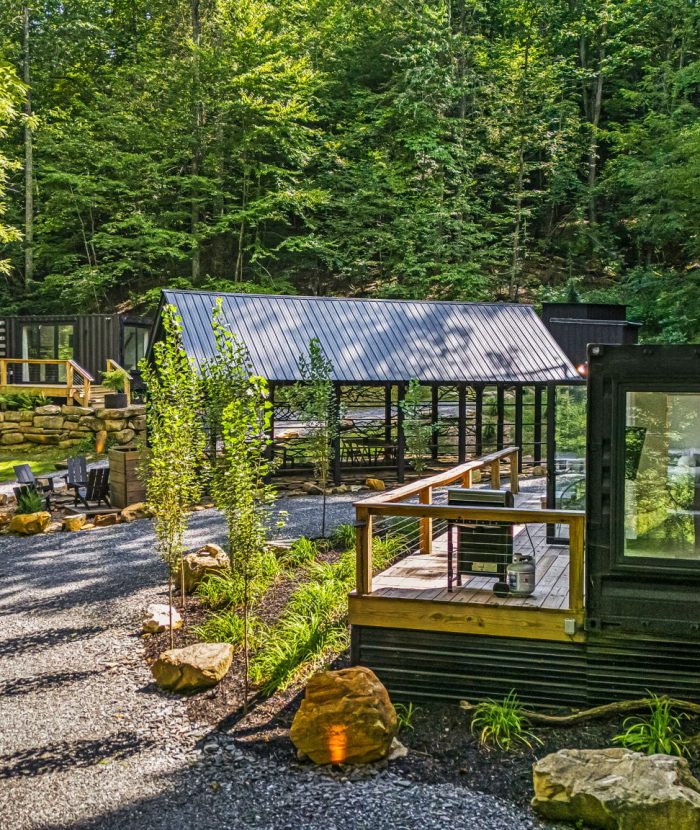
x=29, y=501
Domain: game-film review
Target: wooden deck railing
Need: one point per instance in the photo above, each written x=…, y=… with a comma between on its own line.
x=76, y=386
x=394, y=504
x=112, y=366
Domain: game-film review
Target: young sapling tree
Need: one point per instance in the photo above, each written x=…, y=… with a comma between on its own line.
x=417, y=431
x=314, y=400
x=176, y=442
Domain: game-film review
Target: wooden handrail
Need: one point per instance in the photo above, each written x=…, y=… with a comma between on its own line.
x=447, y=477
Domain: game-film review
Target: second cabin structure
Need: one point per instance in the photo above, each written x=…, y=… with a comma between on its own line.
x=488, y=372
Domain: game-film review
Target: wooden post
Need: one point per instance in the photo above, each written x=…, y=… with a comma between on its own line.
x=400, y=437
x=500, y=415
x=537, y=430
x=336, y=440
x=86, y=392
x=3, y=372
x=462, y=424
x=363, y=550
x=519, y=425
x=434, y=417
x=496, y=475
x=576, y=563
x=69, y=383
x=387, y=423
x=514, y=468
x=479, y=421
x=426, y=523
x=467, y=479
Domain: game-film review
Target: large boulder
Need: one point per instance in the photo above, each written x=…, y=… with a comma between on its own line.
x=617, y=789
x=375, y=484
x=157, y=619
x=27, y=524
x=194, y=667
x=208, y=560
x=346, y=717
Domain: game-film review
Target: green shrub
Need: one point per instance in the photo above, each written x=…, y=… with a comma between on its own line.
x=30, y=501
x=659, y=732
x=114, y=379
x=343, y=537
x=502, y=724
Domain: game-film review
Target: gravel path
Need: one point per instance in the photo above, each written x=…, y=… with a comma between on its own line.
x=86, y=741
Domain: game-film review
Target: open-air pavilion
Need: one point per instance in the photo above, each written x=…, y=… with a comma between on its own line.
x=489, y=370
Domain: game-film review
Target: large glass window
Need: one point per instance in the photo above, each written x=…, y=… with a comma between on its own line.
x=662, y=475
x=46, y=341
x=135, y=346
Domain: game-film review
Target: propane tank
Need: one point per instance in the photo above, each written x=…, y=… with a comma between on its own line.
x=521, y=576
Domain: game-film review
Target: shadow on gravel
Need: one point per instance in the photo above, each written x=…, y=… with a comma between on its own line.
x=42, y=683
x=70, y=754
x=28, y=643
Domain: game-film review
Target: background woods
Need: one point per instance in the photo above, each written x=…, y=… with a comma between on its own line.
x=475, y=149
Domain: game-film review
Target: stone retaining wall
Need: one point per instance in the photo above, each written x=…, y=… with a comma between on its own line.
x=65, y=426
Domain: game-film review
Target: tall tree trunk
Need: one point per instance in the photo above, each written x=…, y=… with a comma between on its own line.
x=197, y=149
x=28, y=157
x=595, y=122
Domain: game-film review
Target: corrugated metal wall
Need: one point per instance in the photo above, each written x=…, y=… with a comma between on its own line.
x=420, y=665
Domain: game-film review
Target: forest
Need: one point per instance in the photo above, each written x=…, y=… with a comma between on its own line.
x=507, y=150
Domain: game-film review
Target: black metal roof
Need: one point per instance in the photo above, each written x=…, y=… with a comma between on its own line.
x=375, y=341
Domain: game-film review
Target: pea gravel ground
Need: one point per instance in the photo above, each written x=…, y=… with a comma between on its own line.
x=86, y=741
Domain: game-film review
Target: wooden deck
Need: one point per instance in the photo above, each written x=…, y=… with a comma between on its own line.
x=424, y=576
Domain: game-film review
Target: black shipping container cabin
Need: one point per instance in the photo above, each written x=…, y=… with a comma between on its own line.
x=633, y=622
x=88, y=339
x=575, y=325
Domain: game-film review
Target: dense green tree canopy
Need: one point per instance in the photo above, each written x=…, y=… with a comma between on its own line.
x=475, y=149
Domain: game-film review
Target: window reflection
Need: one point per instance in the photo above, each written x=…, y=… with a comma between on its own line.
x=662, y=475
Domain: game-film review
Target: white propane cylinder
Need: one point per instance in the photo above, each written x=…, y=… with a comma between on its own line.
x=521, y=576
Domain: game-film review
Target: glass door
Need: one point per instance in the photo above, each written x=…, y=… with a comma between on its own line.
x=42, y=341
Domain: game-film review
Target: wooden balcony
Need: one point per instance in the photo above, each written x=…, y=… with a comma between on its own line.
x=413, y=593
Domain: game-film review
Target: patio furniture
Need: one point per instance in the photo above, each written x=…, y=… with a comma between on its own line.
x=77, y=474
x=96, y=490
x=43, y=484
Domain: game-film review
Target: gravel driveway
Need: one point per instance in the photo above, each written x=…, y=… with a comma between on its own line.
x=86, y=741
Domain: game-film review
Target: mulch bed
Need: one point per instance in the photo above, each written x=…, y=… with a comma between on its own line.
x=441, y=746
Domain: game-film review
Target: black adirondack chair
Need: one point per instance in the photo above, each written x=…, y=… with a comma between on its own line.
x=26, y=478
x=77, y=475
x=95, y=491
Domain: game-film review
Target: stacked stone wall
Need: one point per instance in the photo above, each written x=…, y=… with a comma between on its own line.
x=66, y=426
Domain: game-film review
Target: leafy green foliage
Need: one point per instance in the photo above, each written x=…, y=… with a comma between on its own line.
x=659, y=732
x=419, y=432
x=30, y=501
x=22, y=401
x=481, y=151
x=405, y=712
x=502, y=724
x=171, y=471
x=315, y=402
x=238, y=409
x=114, y=379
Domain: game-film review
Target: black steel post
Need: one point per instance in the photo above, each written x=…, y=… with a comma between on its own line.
x=462, y=424
x=519, y=425
x=500, y=415
x=336, y=441
x=479, y=421
x=537, y=431
x=400, y=437
x=434, y=417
